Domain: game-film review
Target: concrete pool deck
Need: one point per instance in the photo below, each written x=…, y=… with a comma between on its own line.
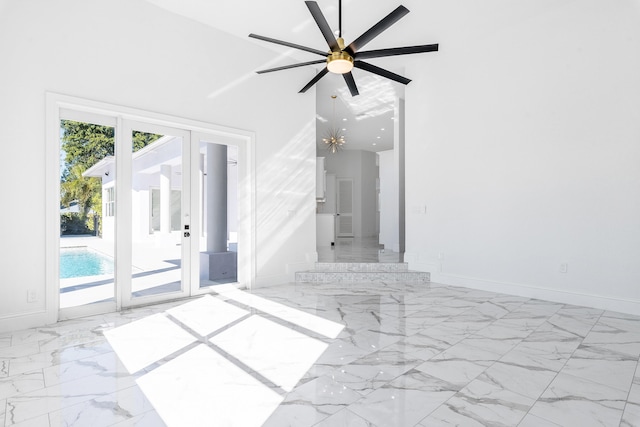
x=155, y=265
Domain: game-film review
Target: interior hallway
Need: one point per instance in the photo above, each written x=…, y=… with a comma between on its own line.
x=351, y=249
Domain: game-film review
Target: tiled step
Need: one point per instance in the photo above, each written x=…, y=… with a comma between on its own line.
x=362, y=272
x=334, y=276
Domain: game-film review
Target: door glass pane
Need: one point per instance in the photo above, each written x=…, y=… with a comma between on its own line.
x=218, y=190
x=87, y=209
x=176, y=201
x=156, y=214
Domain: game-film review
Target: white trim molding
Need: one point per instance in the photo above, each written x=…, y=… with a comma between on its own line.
x=629, y=306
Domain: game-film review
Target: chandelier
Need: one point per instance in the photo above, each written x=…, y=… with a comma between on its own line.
x=334, y=139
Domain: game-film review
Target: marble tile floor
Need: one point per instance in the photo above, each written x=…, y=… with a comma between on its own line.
x=366, y=354
x=348, y=249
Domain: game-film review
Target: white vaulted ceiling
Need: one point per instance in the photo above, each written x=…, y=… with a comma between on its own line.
x=369, y=116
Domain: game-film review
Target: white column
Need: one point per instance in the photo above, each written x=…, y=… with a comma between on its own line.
x=165, y=199
x=216, y=198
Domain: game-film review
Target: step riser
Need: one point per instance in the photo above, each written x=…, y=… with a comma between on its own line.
x=351, y=277
x=387, y=267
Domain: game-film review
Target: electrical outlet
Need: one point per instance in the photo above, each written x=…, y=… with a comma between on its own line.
x=420, y=210
x=564, y=267
x=32, y=295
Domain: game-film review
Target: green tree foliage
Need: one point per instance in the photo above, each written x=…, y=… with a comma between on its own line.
x=84, y=190
x=84, y=145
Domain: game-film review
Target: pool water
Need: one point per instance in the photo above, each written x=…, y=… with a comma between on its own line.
x=80, y=262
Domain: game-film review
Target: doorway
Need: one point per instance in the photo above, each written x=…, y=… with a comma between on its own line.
x=143, y=218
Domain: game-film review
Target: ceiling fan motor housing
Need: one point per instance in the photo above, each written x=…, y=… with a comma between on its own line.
x=339, y=62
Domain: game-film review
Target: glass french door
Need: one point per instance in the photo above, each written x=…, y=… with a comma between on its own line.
x=86, y=198
x=216, y=186
x=165, y=217
x=155, y=216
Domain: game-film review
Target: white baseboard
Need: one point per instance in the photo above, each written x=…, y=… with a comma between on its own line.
x=622, y=305
x=629, y=306
x=22, y=321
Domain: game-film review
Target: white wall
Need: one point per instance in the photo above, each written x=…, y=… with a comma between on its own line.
x=523, y=141
x=369, y=174
x=389, y=227
x=130, y=53
x=399, y=160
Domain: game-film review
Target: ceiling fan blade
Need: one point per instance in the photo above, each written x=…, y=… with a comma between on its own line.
x=314, y=80
x=323, y=25
x=286, y=67
x=351, y=83
x=374, y=31
x=381, y=72
x=397, y=51
x=293, y=45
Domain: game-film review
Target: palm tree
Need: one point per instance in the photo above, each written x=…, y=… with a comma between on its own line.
x=84, y=190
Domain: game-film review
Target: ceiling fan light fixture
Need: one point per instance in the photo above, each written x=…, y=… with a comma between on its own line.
x=339, y=62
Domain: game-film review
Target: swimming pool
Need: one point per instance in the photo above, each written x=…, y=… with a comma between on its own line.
x=80, y=262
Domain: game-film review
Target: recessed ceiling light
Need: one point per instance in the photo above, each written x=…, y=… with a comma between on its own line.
x=374, y=143
x=344, y=120
x=381, y=128
x=378, y=137
x=344, y=128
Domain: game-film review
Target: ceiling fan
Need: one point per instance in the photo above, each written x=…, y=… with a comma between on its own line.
x=341, y=59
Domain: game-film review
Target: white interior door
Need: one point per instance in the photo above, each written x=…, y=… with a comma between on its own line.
x=344, y=207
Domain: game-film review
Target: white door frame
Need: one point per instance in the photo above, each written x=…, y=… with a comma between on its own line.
x=63, y=106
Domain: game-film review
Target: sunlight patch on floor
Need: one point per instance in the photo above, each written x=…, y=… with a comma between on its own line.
x=202, y=388
x=308, y=321
x=211, y=359
x=276, y=352
x=148, y=340
x=207, y=314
